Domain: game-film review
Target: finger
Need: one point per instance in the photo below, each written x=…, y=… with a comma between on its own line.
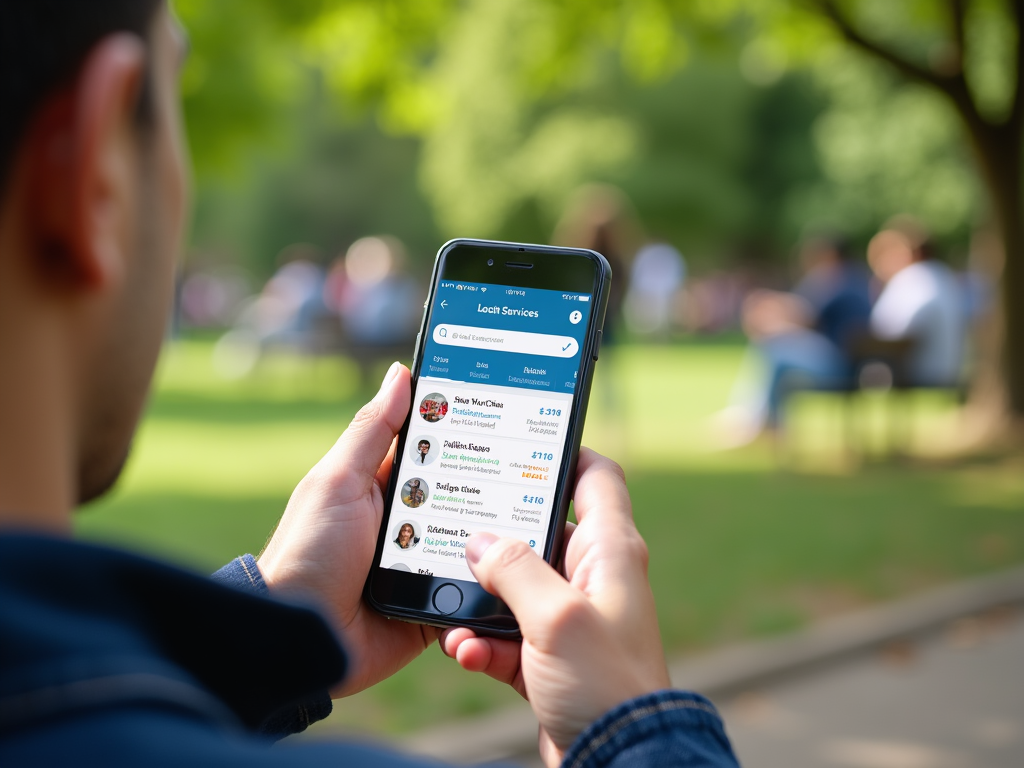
x=475, y=654
x=384, y=471
x=500, y=659
x=510, y=569
x=452, y=637
x=352, y=464
x=549, y=753
x=600, y=488
x=570, y=529
x=606, y=557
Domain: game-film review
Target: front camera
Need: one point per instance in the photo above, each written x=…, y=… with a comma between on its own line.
x=490, y=262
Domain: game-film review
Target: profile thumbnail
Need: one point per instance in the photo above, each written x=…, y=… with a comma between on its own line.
x=434, y=407
x=414, y=492
x=423, y=450
x=406, y=536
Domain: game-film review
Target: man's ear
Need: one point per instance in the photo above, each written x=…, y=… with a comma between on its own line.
x=83, y=158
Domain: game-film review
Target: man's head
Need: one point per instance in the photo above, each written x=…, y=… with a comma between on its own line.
x=902, y=242
x=824, y=252
x=92, y=205
x=423, y=446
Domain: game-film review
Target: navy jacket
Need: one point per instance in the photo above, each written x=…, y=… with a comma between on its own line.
x=111, y=659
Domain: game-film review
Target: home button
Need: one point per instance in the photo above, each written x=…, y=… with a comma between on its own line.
x=447, y=599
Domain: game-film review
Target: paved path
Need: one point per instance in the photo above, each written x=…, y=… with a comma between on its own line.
x=952, y=699
x=934, y=680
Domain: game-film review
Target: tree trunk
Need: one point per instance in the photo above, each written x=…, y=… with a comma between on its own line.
x=1008, y=210
x=1013, y=313
x=999, y=149
x=1000, y=157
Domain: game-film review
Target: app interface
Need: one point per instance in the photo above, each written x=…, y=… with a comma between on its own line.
x=488, y=429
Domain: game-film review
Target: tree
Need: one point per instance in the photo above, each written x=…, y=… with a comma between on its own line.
x=993, y=123
x=970, y=52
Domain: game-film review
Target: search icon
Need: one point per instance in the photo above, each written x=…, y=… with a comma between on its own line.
x=442, y=332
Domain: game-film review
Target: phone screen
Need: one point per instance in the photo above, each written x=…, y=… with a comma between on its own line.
x=491, y=408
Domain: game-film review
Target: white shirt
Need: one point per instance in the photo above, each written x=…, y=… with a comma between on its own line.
x=924, y=302
x=658, y=270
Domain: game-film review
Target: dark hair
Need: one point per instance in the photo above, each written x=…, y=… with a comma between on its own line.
x=832, y=241
x=423, y=442
x=42, y=44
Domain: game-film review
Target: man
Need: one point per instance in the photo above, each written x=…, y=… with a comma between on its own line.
x=921, y=302
x=423, y=448
x=804, y=339
x=110, y=659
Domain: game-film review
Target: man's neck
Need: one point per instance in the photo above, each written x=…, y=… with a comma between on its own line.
x=37, y=454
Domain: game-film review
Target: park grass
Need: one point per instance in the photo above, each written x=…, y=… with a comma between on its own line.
x=744, y=543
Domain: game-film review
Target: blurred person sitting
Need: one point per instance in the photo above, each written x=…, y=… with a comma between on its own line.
x=111, y=658
x=656, y=281
x=922, y=302
x=285, y=314
x=378, y=304
x=287, y=308
x=804, y=339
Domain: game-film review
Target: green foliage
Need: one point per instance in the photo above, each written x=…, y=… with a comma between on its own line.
x=374, y=52
x=991, y=44
x=698, y=109
x=339, y=179
x=493, y=148
x=888, y=147
x=239, y=80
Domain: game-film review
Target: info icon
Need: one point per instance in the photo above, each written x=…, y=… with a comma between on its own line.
x=575, y=316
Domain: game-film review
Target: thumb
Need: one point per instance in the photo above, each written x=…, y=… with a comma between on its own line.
x=510, y=569
x=353, y=461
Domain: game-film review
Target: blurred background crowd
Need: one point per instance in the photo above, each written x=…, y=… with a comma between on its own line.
x=715, y=156
x=812, y=212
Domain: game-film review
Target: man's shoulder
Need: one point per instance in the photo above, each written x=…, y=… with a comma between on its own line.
x=158, y=736
x=91, y=627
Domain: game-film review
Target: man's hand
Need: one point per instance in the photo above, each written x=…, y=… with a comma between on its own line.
x=589, y=643
x=325, y=542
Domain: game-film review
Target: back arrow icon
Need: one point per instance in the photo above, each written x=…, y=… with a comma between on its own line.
x=444, y=304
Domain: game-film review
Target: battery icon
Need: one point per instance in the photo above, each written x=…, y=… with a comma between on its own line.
x=584, y=298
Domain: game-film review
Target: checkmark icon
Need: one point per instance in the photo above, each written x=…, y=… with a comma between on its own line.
x=567, y=346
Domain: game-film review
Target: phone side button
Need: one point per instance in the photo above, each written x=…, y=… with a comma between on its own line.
x=597, y=343
x=416, y=353
x=447, y=599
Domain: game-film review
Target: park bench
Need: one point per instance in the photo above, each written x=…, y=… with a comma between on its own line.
x=883, y=366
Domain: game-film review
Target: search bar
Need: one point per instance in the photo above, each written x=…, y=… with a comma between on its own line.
x=506, y=341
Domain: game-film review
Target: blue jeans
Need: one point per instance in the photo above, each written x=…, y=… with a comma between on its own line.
x=799, y=360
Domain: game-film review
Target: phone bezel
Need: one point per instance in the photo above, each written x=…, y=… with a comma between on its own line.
x=408, y=596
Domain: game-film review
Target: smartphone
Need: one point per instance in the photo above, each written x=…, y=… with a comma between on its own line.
x=500, y=379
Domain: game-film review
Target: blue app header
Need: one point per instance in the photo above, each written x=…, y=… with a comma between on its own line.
x=506, y=336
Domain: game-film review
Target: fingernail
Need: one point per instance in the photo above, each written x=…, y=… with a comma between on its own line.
x=478, y=544
x=390, y=375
